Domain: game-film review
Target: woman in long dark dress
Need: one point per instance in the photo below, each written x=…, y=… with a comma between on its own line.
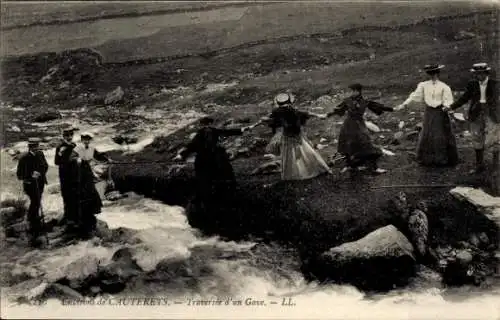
x=354, y=139
x=88, y=199
x=436, y=144
x=299, y=160
x=213, y=170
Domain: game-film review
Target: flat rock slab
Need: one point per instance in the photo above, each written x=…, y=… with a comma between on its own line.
x=485, y=203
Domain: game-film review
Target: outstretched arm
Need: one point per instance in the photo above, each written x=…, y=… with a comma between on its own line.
x=100, y=156
x=415, y=96
x=191, y=147
x=466, y=96
x=316, y=115
x=229, y=132
x=339, y=110
x=378, y=108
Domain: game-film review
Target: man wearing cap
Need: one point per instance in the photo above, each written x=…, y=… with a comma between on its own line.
x=436, y=144
x=65, y=159
x=483, y=115
x=31, y=170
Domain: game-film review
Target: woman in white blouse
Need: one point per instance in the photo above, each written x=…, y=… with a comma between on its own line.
x=436, y=144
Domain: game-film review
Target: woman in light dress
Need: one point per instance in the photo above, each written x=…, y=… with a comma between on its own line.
x=299, y=160
x=436, y=144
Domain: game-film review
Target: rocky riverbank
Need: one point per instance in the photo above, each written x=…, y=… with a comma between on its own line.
x=143, y=113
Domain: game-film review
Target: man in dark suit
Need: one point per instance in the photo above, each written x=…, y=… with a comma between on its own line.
x=31, y=170
x=65, y=160
x=483, y=115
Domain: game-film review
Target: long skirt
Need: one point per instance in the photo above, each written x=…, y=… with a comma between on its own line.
x=275, y=144
x=355, y=143
x=299, y=160
x=436, y=144
x=89, y=200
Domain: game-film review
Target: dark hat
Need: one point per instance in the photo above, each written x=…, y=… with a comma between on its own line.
x=70, y=130
x=87, y=135
x=480, y=67
x=284, y=98
x=433, y=67
x=356, y=86
x=207, y=121
x=34, y=141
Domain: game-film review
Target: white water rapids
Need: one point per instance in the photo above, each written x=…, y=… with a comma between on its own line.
x=217, y=268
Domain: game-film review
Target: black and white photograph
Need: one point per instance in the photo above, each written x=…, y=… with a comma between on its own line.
x=250, y=159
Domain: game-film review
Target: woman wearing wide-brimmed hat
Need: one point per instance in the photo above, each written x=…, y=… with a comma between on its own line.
x=299, y=160
x=436, y=144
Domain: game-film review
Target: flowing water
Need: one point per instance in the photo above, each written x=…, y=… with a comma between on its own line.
x=209, y=268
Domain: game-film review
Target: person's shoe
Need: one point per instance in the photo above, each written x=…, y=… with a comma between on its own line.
x=347, y=169
x=479, y=169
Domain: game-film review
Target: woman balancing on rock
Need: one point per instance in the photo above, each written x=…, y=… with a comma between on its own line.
x=213, y=169
x=299, y=160
x=436, y=144
x=354, y=140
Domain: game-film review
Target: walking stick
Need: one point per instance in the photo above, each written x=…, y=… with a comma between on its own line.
x=42, y=216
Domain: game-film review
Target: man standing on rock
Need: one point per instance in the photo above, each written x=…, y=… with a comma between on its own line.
x=32, y=169
x=483, y=115
x=64, y=158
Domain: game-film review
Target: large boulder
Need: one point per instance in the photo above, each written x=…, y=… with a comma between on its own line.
x=485, y=203
x=46, y=115
x=381, y=260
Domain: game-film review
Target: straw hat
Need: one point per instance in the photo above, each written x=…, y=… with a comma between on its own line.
x=433, y=67
x=34, y=141
x=284, y=98
x=70, y=130
x=480, y=67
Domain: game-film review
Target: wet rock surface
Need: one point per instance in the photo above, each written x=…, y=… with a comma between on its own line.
x=383, y=259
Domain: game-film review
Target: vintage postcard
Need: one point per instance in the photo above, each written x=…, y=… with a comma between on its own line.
x=250, y=160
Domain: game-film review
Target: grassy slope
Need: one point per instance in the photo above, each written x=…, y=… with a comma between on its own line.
x=258, y=23
x=271, y=22
x=22, y=14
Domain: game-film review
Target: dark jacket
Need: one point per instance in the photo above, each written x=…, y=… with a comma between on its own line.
x=356, y=107
x=30, y=162
x=207, y=140
x=212, y=162
x=64, y=153
x=472, y=94
x=290, y=119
